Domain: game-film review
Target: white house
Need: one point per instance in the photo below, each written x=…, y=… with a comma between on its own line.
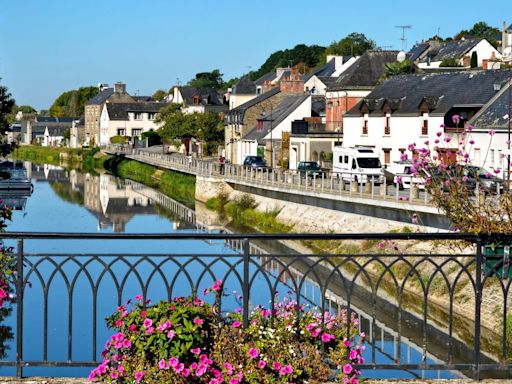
x=317, y=81
x=414, y=108
x=199, y=100
x=461, y=51
x=127, y=119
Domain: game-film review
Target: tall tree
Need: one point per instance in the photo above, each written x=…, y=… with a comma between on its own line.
x=6, y=105
x=481, y=29
x=72, y=103
x=211, y=79
x=158, y=95
x=355, y=44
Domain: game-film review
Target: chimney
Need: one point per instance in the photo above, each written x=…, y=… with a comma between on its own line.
x=503, y=37
x=267, y=86
x=292, y=84
x=120, y=88
x=485, y=64
x=338, y=61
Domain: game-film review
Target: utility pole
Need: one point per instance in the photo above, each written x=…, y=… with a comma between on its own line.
x=404, y=39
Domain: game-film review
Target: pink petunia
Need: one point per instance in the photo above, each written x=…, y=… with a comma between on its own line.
x=198, y=321
x=286, y=370
x=347, y=369
x=171, y=334
x=196, y=351
x=236, y=324
x=162, y=364
x=276, y=366
x=173, y=362
x=139, y=375
x=261, y=364
x=148, y=323
x=253, y=353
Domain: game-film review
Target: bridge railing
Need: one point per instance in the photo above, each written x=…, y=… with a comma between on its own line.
x=426, y=301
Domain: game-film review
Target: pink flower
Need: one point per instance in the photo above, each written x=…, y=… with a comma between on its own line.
x=456, y=119
x=138, y=297
x=471, y=141
x=347, y=369
x=139, y=375
x=179, y=368
x=148, y=323
x=276, y=366
x=171, y=334
x=439, y=134
x=173, y=362
x=229, y=368
x=216, y=286
x=353, y=354
x=201, y=370
x=316, y=332
x=403, y=156
x=196, y=351
x=326, y=337
x=127, y=343
x=261, y=364
x=286, y=370
x=492, y=132
x=132, y=327
x=234, y=380
x=346, y=343
x=186, y=372
x=114, y=375
x=150, y=330
x=235, y=324
x=119, y=323
x=253, y=353
x=447, y=139
x=198, y=321
x=162, y=364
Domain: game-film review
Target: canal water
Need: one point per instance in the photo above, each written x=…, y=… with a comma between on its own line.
x=71, y=201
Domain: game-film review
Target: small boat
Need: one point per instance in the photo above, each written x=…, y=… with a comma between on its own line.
x=13, y=176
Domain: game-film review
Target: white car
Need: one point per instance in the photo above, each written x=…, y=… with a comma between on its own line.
x=400, y=172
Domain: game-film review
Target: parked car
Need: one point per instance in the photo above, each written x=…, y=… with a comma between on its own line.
x=310, y=168
x=473, y=175
x=400, y=172
x=256, y=162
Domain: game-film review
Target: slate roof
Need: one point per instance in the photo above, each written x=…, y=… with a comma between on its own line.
x=209, y=96
x=141, y=99
x=101, y=97
x=365, y=72
x=318, y=105
x=240, y=110
x=495, y=114
x=416, y=51
x=442, y=91
x=325, y=70
x=48, y=119
x=267, y=76
x=244, y=86
x=57, y=130
x=119, y=111
x=289, y=104
x=452, y=50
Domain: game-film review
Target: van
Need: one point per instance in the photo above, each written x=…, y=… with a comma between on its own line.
x=357, y=164
x=400, y=173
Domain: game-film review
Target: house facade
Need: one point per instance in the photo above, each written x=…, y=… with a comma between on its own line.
x=127, y=119
x=199, y=100
x=415, y=108
x=94, y=108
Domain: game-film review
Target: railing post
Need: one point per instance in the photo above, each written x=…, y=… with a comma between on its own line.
x=19, y=310
x=245, y=283
x=478, y=302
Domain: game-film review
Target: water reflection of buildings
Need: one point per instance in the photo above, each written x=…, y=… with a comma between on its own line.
x=113, y=201
x=16, y=199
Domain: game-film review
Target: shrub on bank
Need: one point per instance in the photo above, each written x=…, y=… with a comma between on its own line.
x=186, y=340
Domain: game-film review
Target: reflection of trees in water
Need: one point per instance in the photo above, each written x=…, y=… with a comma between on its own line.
x=65, y=192
x=5, y=332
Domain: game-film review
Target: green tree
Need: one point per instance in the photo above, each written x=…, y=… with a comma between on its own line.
x=398, y=68
x=72, y=103
x=175, y=124
x=6, y=105
x=450, y=62
x=158, y=95
x=474, y=60
x=355, y=44
x=211, y=79
x=308, y=56
x=210, y=130
x=481, y=29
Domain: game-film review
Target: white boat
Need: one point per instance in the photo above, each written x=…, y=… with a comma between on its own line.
x=14, y=177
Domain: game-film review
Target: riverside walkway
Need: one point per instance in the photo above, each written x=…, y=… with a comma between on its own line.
x=291, y=185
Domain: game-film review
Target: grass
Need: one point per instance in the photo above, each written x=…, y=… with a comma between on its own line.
x=52, y=155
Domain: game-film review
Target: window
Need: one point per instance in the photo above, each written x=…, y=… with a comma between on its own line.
x=151, y=115
x=260, y=124
x=197, y=100
x=424, y=127
x=345, y=160
x=387, y=155
x=121, y=132
x=387, y=128
x=365, y=127
x=136, y=132
x=137, y=116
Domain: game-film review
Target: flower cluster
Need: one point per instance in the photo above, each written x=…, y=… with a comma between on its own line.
x=471, y=197
x=183, y=341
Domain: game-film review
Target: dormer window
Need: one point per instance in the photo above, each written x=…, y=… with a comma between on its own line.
x=137, y=116
x=197, y=100
x=424, y=124
x=364, y=117
x=386, y=113
x=260, y=125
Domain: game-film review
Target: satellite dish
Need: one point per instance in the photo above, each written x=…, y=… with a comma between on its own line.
x=401, y=56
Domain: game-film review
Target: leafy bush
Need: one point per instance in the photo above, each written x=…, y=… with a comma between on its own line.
x=450, y=62
x=185, y=341
x=118, y=140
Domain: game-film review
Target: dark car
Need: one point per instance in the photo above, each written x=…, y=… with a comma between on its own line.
x=471, y=176
x=256, y=162
x=310, y=168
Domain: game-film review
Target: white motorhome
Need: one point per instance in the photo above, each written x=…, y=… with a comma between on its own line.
x=357, y=164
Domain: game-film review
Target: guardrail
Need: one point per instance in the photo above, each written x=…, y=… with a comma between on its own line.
x=394, y=289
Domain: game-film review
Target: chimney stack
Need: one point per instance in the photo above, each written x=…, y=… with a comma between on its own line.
x=292, y=84
x=120, y=88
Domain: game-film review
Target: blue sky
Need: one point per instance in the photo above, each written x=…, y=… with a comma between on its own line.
x=48, y=47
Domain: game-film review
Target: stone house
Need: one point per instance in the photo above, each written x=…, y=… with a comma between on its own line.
x=94, y=107
x=199, y=100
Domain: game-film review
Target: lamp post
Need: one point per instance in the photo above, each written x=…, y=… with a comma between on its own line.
x=271, y=140
x=509, y=117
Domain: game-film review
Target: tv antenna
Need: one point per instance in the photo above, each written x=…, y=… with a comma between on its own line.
x=404, y=39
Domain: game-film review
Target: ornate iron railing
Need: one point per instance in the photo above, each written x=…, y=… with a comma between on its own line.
x=414, y=293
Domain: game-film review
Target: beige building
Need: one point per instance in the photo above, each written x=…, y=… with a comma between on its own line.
x=94, y=108
x=127, y=119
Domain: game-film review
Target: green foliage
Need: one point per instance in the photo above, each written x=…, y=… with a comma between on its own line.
x=308, y=56
x=397, y=68
x=450, y=62
x=72, y=103
x=118, y=140
x=474, y=60
x=355, y=44
x=158, y=95
x=6, y=105
x=211, y=79
x=481, y=29
x=50, y=155
x=218, y=203
x=65, y=192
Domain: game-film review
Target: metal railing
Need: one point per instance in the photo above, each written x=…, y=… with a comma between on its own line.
x=407, y=295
